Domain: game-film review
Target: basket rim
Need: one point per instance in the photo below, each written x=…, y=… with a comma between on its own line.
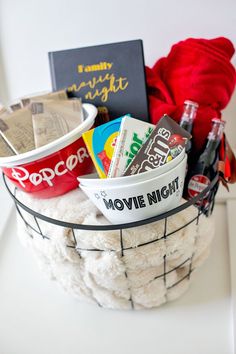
x=111, y=227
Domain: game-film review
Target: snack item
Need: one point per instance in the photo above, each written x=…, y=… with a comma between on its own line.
x=15, y=106
x=4, y=112
x=53, y=119
x=57, y=95
x=5, y=149
x=133, y=133
x=17, y=130
x=25, y=102
x=100, y=143
x=166, y=142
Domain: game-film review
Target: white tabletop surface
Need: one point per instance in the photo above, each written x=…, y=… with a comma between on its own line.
x=37, y=317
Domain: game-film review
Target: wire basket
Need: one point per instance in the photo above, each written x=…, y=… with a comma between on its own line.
x=164, y=277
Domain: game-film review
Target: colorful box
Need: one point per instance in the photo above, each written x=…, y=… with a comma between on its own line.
x=133, y=134
x=100, y=143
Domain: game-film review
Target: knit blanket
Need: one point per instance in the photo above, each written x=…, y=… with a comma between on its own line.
x=135, y=268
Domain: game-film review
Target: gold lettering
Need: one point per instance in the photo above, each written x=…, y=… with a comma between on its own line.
x=72, y=88
x=121, y=86
x=112, y=85
x=103, y=65
x=80, y=68
x=95, y=67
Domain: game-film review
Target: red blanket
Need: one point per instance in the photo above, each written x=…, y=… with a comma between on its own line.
x=197, y=70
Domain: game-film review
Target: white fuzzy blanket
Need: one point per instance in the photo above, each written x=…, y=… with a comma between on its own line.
x=136, y=269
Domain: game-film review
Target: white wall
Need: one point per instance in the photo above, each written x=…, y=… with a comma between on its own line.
x=29, y=29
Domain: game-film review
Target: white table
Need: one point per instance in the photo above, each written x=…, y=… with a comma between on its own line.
x=37, y=317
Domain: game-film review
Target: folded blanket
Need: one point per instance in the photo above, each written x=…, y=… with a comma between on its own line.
x=149, y=271
x=197, y=70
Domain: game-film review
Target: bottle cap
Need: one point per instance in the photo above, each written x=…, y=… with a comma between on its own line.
x=217, y=129
x=192, y=103
x=190, y=112
x=219, y=121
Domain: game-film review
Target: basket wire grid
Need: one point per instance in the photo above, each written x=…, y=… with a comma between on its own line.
x=204, y=203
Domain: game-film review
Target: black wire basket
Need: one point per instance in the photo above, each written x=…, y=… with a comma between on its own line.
x=203, y=203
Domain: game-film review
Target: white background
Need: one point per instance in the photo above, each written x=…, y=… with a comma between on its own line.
x=28, y=30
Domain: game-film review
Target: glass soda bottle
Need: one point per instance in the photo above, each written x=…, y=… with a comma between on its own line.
x=186, y=121
x=204, y=171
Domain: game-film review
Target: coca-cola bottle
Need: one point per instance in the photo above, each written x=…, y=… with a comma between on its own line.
x=186, y=121
x=204, y=171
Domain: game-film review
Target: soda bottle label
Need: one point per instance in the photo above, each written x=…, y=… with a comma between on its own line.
x=197, y=184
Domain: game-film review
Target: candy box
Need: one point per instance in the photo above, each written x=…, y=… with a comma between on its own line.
x=100, y=143
x=165, y=143
x=133, y=133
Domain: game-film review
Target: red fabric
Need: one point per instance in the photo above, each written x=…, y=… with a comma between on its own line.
x=227, y=173
x=197, y=70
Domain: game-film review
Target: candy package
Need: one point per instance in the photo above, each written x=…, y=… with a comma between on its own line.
x=17, y=130
x=53, y=119
x=5, y=149
x=57, y=95
x=133, y=133
x=100, y=143
x=166, y=142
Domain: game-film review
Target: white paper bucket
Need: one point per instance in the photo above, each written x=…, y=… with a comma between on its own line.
x=92, y=180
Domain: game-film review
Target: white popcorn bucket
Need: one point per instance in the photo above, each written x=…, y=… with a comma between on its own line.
x=92, y=180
